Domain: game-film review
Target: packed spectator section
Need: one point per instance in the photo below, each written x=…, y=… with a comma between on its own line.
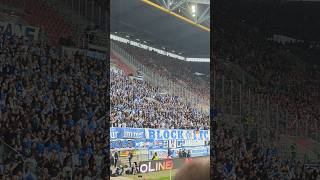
x=137, y=103
x=53, y=112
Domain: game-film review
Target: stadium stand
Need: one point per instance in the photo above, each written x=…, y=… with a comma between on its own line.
x=236, y=157
x=174, y=69
x=51, y=115
x=135, y=103
x=37, y=14
x=266, y=95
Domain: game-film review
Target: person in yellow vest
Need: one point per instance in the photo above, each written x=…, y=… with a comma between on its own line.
x=155, y=156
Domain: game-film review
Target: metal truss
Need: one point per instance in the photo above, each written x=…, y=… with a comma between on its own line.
x=201, y=15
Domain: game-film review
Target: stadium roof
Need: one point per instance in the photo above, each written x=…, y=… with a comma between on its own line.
x=298, y=19
x=139, y=21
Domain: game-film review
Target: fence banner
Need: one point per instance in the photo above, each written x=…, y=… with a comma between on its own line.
x=155, y=144
x=70, y=51
x=131, y=143
x=28, y=32
x=159, y=134
x=96, y=55
x=190, y=143
x=178, y=134
x=127, y=133
x=122, y=143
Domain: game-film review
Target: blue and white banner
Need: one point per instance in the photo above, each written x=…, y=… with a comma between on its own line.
x=127, y=133
x=28, y=32
x=199, y=151
x=124, y=143
x=129, y=143
x=97, y=55
x=178, y=134
x=155, y=144
x=159, y=134
x=70, y=51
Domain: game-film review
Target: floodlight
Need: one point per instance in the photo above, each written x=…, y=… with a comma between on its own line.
x=193, y=8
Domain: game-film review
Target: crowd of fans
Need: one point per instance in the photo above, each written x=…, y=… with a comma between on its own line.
x=240, y=158
x=136, y=103
x=53, y=112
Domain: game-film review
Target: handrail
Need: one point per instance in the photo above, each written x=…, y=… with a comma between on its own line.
x=10, y=147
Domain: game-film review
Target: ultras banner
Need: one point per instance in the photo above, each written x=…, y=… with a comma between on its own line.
x=159, y=134
x=177, y=134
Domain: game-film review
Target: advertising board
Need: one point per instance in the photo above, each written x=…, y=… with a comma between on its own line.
x=154, y=166
x=162, y=165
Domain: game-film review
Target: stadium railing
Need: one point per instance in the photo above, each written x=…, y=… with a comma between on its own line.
x=8, y=153
x=258, y=115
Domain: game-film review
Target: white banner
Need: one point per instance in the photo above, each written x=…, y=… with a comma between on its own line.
x=193, y=143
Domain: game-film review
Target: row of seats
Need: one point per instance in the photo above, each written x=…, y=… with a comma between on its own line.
x=125, y=68
x=48, y=20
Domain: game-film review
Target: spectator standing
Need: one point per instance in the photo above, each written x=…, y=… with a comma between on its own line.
x=116, y=157
x=189, y=154
x=130, y=156
x=155, y=157
x=184, y=153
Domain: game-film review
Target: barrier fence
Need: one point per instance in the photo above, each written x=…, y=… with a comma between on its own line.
x=240, y=103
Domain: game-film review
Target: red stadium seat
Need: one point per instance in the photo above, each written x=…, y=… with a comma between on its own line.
x=48, y=19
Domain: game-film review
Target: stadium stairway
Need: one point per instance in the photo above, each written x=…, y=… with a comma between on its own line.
x=121, y=65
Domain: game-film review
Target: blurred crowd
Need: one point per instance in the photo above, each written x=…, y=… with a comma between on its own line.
x=53, y=112
x=241, y=158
